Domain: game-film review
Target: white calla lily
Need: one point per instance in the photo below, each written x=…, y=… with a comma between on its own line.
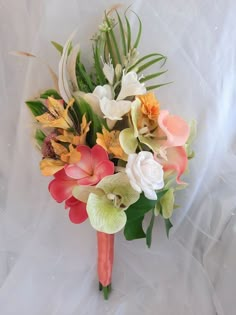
x=130, y=86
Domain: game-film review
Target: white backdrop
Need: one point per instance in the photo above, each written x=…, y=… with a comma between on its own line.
x=47, y=264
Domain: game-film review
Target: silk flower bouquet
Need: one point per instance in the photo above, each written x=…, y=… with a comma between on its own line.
x=114, y=153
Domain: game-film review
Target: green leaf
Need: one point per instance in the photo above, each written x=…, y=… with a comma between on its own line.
x=84, y=76
x=37, y=108
x=149, y=64
x=58, y=47
x=146, y=57
x=139, y=31
x=114, y=40
x=82, y=108
x=134, y=229
x=51, y=93
x=152, y=76
x=128, y=32
x=139, y=208
x=39, y=136
x=122, y=33
x=98, y=68
x=110, y=49
x=152, y=87
x=142, y=206
x=149, y=231
x=168, y=226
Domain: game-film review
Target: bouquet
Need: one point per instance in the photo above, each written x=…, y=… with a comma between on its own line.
x=114, y=153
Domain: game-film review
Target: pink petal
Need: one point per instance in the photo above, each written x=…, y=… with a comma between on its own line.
x=89, y=180
x=104, y=169
x=77, y=213
x=74, y=171
x=61, y=190
x=98, y=155
x=61, y=175
x=86, y=162
x=177, y=161
x=84, y=167
x=174, y=127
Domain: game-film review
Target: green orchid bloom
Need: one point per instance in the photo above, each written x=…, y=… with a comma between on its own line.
x=106, y=204
x=140, y=131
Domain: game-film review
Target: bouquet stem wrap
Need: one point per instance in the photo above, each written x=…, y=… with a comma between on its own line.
x=105, y=261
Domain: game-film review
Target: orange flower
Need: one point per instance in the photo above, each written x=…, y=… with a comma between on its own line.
x=49, y=166
x=67, y=156
x=110, y=142
x=149, y=106
x=76, y=140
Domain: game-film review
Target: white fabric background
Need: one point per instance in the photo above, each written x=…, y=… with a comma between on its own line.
x=47, y=264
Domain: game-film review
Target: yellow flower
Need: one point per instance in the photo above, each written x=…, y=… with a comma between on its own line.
x=150, y=106
x=76, y=140
x=49, y=166
x=71, y=157
x=67, y=156
x=57, y=116
x=110, y=142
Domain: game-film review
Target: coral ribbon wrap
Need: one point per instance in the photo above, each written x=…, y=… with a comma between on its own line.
x=105, y=257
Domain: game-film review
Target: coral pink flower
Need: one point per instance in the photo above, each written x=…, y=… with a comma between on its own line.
x=78, y=212
x=176, y=131
x=177, y=161
x=92, y=167
x=174, y=128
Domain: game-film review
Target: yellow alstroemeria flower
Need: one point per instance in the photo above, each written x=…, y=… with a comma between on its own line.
x=67, y=156
x=69, y=137
x=49, y=166
x=57, y=116
x=110, y=142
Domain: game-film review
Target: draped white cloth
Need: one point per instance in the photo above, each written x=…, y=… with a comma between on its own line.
x=47, y=264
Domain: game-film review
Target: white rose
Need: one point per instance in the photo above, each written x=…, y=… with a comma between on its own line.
x=145, y=174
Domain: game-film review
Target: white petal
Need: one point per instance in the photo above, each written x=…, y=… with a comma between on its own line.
x=71, y=67
x=109, y=72
x=131, y=86
x=63, y=82
x=103, y=91
x=150, y=194
x=92, y=100
x=114, y=110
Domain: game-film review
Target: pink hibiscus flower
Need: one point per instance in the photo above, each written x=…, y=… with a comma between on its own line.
x=92, y=167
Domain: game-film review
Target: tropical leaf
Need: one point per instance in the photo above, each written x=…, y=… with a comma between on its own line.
x=122, y=33
x=134, y=229
x=152, y=87
x=113, y=38
x=149, y=231
x=50, y=93
x=39, y=136
x=58, y=47
x=139, y=31
x=152, y=76
x=37, y=108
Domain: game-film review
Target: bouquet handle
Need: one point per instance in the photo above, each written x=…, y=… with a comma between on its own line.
x=105, y=260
